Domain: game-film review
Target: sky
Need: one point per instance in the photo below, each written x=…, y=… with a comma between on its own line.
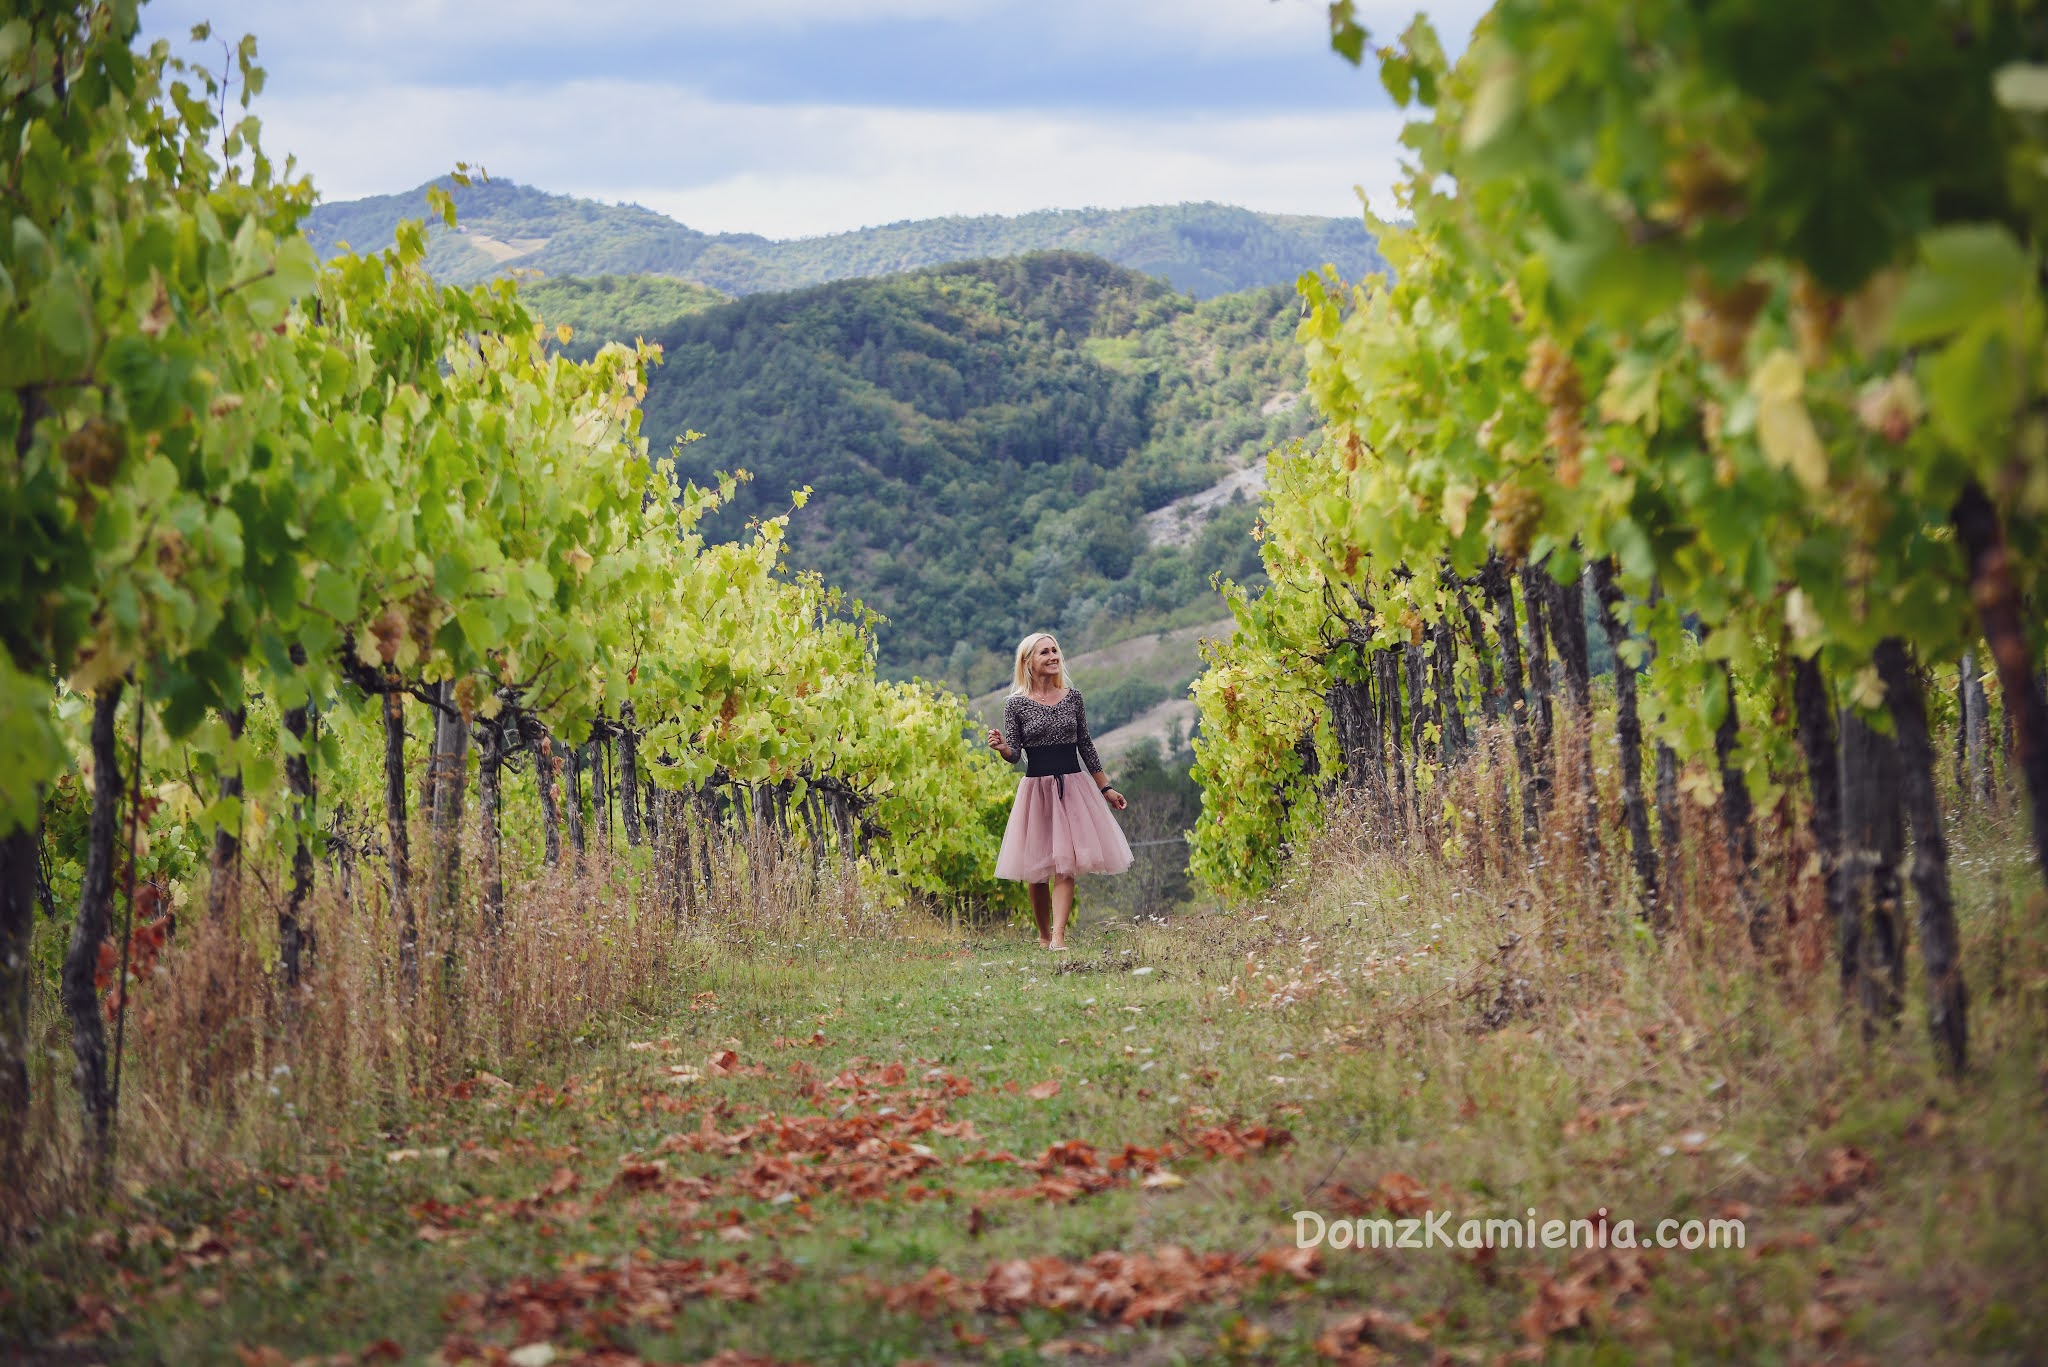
x=793, y=118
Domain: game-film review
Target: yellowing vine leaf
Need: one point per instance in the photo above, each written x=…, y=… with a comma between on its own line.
x=1784, y=428
x=1630, y=394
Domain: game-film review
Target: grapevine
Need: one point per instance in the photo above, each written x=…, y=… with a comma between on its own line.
x=339, y=530
x=1642, y=319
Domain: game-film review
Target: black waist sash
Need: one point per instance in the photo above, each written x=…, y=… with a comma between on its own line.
x=1053, y=762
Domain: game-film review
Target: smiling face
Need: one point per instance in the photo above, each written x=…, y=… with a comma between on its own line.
x=1045, y=664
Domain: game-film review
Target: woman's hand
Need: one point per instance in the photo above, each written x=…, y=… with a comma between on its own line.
x=1114, y=798
x=995, y=743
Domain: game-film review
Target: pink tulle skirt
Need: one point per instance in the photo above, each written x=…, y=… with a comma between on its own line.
x=1051, y=836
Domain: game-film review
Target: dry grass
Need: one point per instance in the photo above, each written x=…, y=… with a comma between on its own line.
x=1428, y=1003
x=225, y=1064
x=1504, y=1025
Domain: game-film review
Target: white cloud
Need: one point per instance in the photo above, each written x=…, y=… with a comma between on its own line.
x=539, y=21
x=476, y=19
x=918, y=164
x=1201, y=23
x=794, y=170
x=709, y=111
x=1290, y=25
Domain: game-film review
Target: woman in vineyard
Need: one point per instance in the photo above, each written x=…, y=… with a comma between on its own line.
x=1055, y=832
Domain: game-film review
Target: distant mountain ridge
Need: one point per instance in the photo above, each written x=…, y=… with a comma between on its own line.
x=1200, y=249
x=984, y=440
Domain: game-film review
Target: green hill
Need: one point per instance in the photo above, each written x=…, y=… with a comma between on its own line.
x=614, y=308
x=506, y=226
x=983, y=440
x=1201, y=249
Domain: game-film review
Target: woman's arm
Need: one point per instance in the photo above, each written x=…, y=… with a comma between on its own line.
x=1089, y=759
x=1013, y=730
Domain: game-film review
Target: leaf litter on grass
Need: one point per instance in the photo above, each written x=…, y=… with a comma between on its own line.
x=596, y=1302
x=904, y=1160
x=1109, y=1287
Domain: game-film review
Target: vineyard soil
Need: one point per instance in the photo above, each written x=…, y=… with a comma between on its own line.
x=837, y=1148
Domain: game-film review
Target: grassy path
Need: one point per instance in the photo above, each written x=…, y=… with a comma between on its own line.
x=947, y=1149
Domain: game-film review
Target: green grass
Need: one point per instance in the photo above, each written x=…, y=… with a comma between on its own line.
x=1351, y=1008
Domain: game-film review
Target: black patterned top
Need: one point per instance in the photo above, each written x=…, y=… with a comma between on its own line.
x=1026, y=722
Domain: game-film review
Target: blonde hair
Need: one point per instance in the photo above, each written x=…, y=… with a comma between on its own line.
x=1020, y=677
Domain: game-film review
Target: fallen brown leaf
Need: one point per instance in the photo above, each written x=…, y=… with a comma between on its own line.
x=1222, y=1141
x=1402, y=1195
x=1822, y=1322
x=1111, y=1287
x=1845, y=1171
x=1356, y=1340
x=563, y=1181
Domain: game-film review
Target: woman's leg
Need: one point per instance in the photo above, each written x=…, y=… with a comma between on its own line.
x=1041, y=909
x=1062, y=908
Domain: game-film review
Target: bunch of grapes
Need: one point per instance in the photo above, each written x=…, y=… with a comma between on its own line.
x=1552, y=378
x=1717, y=323
x=1516, y=512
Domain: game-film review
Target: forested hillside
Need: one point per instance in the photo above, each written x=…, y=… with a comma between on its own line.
x=983, y=439
x=1203, y=249
x=614, y=308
